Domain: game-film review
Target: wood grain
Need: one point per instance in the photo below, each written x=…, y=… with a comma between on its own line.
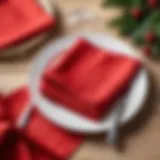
x=140, y=139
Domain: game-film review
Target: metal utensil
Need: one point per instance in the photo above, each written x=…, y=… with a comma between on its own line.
x=112, y=135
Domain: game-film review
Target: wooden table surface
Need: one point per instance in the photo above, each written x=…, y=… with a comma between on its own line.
x=140, y=139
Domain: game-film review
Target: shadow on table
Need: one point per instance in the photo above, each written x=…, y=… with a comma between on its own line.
x=136, y=124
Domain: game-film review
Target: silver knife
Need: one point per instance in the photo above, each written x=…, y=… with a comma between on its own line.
x=113, y=131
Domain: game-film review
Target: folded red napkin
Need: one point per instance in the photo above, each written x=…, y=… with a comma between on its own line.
x=21, y=20
x=39, y=140
x=85, y=79
x=88, y=79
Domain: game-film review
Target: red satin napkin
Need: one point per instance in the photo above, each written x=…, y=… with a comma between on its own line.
x=39, y=140
x=88, y=79
x=21, y=20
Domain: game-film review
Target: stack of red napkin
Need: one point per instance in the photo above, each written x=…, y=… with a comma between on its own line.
x=21, y=20
x=88, y=79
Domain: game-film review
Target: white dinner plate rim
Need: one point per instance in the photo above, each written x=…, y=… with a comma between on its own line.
x=38, y=98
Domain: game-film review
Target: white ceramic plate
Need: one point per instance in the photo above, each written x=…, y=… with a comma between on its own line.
x=70, y=120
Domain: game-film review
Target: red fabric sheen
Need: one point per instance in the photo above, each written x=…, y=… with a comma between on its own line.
x=39, y=140
x=88, y=79
x=20, y=21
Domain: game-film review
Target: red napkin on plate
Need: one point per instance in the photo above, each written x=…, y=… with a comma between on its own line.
x=88, y=79
x=39, y=140
x=21, y=20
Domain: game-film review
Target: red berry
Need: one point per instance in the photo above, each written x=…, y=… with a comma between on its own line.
x=147, y=51
x=153, y=3
x=136, y=13
x=150, y=37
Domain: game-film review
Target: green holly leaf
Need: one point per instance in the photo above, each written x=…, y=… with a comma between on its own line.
x=117, y=3
x=138, y=3
x=138, y=40
x=125, y=23
x=125, y=3
x=156, y=50
x=128, y=24
x=128, y=28
x=115, y=22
